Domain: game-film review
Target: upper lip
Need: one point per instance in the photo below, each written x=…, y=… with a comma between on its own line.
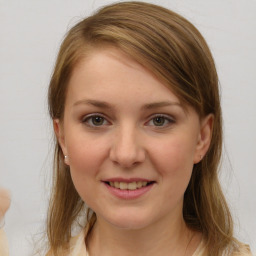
x=119, y=179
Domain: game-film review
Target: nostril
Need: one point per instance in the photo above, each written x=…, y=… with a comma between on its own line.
x=125, y=163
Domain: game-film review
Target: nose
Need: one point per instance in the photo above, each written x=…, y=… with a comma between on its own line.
x=126, y=150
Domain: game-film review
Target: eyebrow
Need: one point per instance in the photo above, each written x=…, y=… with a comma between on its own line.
x=161, y=104
x=96, y=103
x=105, y=105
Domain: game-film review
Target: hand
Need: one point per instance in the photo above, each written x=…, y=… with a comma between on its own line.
x=4, y=203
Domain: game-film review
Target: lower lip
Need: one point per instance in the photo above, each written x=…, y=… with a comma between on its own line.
x=129, y=194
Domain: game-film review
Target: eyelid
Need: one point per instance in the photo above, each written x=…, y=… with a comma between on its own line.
x=167, y=117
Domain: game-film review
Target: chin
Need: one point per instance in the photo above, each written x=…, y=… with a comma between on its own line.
x=132, y=225
x=128, y=221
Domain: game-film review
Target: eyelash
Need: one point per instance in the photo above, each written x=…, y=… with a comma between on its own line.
x=88, y=120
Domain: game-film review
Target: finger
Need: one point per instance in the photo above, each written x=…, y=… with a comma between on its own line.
x=5, y=200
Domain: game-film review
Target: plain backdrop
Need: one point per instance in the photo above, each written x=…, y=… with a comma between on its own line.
x=30, y=34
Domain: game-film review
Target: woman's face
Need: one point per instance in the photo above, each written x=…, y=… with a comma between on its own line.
x=129, y=142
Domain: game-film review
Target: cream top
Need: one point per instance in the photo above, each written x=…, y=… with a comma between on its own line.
x=78, y=248
x=4, y=251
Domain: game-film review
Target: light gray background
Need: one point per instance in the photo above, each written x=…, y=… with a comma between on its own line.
x=30, y=34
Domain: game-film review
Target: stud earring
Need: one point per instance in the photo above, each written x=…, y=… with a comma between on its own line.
x=65, y=159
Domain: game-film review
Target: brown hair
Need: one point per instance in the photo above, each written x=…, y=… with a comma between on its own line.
x=175, y=51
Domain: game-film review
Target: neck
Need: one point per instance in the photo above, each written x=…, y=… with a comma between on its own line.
x=162, y=238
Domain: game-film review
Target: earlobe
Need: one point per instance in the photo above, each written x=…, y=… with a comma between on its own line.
x=204, y=137
x=59, y=132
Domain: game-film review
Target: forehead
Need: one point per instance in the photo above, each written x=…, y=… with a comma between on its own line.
x=112, y=72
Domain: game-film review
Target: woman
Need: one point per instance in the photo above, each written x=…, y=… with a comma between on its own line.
x=135, y=105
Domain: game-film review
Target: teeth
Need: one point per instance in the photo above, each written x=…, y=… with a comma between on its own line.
x=128, y=186
x=116, y=184
x=123, y=185
x=132, y=186
x=144, y=183
x=139, y=184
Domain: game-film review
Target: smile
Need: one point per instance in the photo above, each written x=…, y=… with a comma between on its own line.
x=128, y=189
x=129, y=185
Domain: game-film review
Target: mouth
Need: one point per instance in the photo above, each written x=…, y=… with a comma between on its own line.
x=129, y=185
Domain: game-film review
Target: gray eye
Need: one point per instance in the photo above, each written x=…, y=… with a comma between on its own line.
x=97, y=120
x=159, y=121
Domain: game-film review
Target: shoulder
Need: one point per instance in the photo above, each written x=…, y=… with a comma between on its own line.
x=61, y=252
x=75, y=247
x=242, y=250
x=237, y=249
x=232, y=250
x=201, y=248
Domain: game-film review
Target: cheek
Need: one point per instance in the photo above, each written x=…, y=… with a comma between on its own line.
x=85, y=154
x=174, y=162
x=82, y=158
x=175, y=153
x=85, y=160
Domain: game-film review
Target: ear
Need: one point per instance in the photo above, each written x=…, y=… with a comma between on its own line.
x=59, y=132
x=204, y=138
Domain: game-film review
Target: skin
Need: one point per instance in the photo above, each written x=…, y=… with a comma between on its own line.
x=120, y=121
x=4, y=206
x=4, y=202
